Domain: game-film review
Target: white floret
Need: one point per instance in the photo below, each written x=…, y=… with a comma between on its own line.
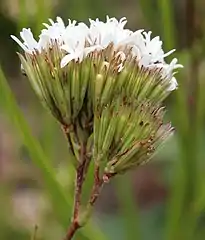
x=78, y=40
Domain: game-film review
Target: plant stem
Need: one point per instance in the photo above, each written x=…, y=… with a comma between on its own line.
x=79, y=181
x=72, y=230
x=78, y=190
x=98, y=183
x=97, y=187
x=80, y=219
x=66, y=130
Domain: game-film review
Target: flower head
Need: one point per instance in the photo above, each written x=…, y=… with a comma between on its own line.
x=105, y=80
x=78, y=40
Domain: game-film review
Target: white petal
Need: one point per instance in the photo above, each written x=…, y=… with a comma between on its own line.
x=88, y=50
x=169, y=53
x=46, y=25
x=173, y=84
x=60, y=21
x=66, y=48
x=51, y=21
x=28, y=38
x=65, y=60
x=20, y=44
x=178, y=66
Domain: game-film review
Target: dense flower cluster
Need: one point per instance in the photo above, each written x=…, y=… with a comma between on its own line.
x=105, y=85
x=77, y=41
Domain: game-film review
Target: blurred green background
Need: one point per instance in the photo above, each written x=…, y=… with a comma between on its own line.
x=164, y=200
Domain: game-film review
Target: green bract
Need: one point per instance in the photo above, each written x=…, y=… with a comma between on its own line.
x=117, y=114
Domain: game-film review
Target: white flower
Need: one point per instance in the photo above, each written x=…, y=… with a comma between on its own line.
x=78, y=40
x=104, y=33
x=52, y=32
x=168, y=71
x=30, y=44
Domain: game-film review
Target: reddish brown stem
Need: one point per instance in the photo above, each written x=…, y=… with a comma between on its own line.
x=79, y=182
x=81, y=170
x=99, y=182
x=78, y=190
x=67, y=130
x=72, y=230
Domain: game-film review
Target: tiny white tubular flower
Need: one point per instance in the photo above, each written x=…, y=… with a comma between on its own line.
x=29, y=43
x=106, y=80
x=53, y=32
x=78, y=40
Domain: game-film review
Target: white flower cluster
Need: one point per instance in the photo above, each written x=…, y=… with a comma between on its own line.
x=78, y=40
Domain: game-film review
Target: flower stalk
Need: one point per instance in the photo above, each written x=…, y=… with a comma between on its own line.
x=79, y=219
